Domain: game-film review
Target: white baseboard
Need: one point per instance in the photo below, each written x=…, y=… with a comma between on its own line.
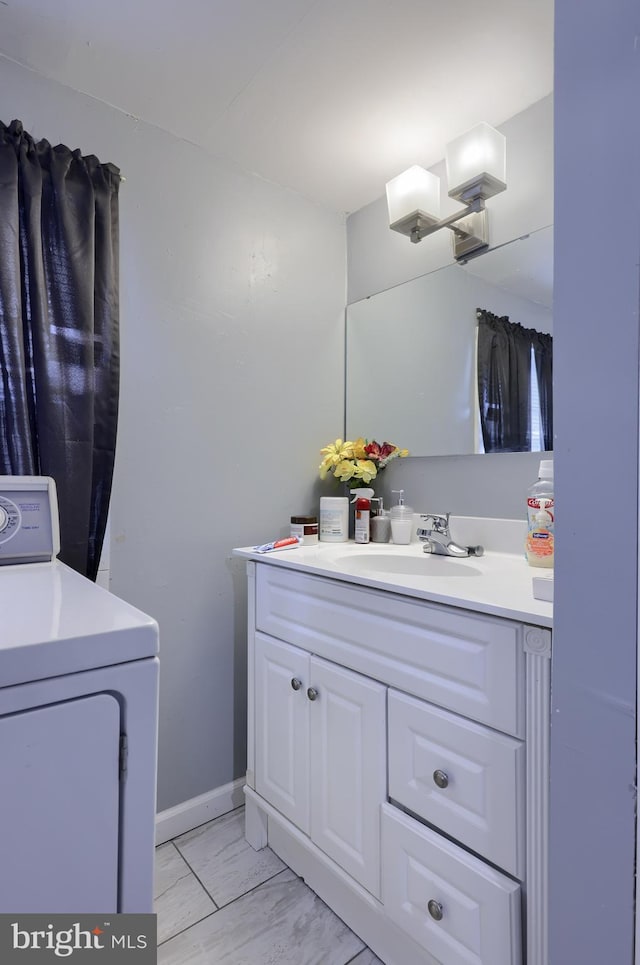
x=198, y=810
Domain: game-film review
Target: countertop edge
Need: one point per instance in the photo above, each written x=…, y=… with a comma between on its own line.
x=539, y=614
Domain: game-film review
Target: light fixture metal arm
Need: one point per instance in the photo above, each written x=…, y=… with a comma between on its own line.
x=421, y=230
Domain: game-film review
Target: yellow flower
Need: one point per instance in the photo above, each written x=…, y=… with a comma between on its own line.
x=359, y=451
x=336, y=452
x=354, y=461
x=365, y=470
x=345, y=470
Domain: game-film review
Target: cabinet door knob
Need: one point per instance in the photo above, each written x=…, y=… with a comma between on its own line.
x=435, y=910
x=440, y=778
x=312, y=693
x=295, y=683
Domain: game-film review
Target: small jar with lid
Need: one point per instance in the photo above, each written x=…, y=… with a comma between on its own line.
x=306, y=527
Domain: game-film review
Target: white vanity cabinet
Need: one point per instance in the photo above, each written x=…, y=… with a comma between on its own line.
x=397, y=760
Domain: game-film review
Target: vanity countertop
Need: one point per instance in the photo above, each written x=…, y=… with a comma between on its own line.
x=498, y=583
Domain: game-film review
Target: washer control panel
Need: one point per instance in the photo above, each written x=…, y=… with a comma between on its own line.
x=29, y=528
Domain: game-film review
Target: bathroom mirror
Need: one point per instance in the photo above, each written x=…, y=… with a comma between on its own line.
x=411, y=350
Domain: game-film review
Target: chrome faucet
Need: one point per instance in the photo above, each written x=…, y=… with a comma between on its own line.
x=434, y=533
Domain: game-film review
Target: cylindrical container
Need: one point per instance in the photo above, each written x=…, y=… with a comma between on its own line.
x=539, y=544
x=401, y=527
x=402, y=524
x=362, y=519
x=381, y=527
x=334, y=519
x=306, y=527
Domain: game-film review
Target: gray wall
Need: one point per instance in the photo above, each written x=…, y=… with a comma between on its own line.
x=597, y=139
x=233, y=296
x=481, y=485
x=486, y=485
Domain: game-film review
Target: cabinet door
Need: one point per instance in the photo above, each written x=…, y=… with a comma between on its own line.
x=348, y=771
x=282, y=728
x=59, y=808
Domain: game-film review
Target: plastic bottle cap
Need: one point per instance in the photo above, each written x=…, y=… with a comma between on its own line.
x=546, y=469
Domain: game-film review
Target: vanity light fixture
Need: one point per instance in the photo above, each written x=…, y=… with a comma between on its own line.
x=476, y=167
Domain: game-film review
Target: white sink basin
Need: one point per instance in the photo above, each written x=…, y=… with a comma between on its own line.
x=424, y=564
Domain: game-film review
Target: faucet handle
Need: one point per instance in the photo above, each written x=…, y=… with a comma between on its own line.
x=439, y=523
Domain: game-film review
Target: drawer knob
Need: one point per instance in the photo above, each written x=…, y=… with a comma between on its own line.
x=441, y=779
x=312, y=693
x=295, y=683
x=435, y=910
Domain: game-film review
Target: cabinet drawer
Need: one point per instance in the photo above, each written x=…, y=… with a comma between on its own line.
x=460, y=776
x=469, y=663
x=456, y=907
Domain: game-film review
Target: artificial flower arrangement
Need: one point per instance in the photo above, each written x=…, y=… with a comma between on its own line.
x=357, y=462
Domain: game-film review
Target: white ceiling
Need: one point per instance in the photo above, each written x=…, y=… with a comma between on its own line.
x=330, y=98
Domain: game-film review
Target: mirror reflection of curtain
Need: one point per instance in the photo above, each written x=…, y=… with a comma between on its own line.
x=59, y=330
x=543, y=355
x=504, y=383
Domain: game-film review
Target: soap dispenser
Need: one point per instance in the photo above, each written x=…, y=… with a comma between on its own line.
x=401, y=520
x=380, y=523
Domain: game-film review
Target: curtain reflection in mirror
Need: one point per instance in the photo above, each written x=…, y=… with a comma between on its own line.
x=505, y=352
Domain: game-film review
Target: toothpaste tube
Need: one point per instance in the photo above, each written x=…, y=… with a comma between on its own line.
x=279, y=544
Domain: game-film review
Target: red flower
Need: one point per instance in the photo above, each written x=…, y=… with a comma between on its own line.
x=372, y=450
x=386, y=450
x=379, y=452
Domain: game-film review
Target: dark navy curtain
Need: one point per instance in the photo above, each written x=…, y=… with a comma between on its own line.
x=543, y=355
x=59, y=330
x=504, y=383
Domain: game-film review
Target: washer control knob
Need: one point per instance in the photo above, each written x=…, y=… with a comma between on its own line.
x=4, y=519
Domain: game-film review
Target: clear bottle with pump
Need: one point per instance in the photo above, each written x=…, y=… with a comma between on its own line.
x=362, y=499
x=539, y=546
x=401, y=520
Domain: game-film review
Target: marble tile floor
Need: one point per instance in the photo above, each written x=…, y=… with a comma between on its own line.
x=219, y=902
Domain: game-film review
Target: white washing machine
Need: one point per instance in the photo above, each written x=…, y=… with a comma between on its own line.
x=78, y=725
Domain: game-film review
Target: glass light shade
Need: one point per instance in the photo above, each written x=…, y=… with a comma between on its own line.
x=415, y=192
x=477, y=164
